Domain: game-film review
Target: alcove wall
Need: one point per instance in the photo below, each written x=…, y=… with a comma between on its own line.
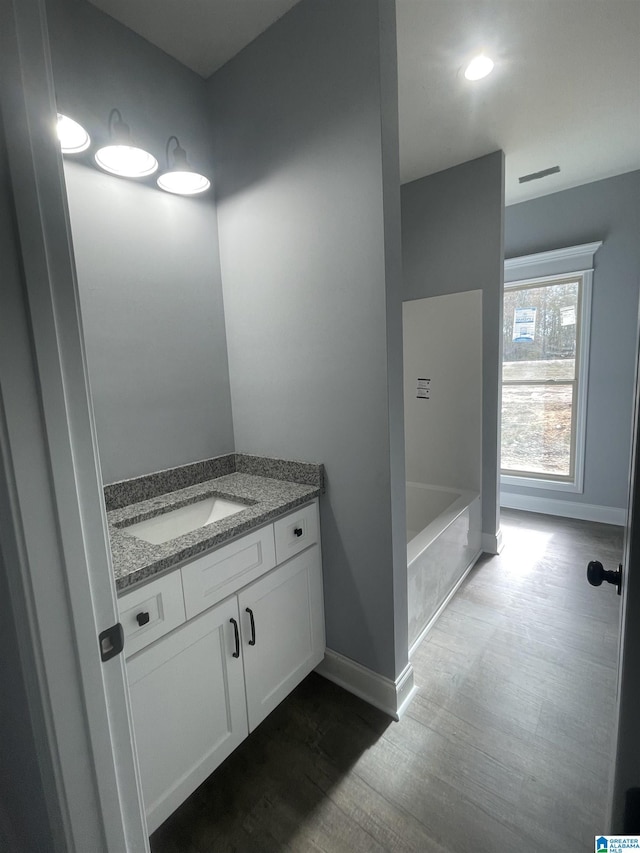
x=443, y=390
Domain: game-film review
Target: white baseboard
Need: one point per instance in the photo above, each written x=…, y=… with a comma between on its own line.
x=438, y=612
x=392, y=697
x=492, y=543
x=568, y=509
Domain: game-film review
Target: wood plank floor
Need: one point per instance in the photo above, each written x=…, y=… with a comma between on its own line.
x=506, y=747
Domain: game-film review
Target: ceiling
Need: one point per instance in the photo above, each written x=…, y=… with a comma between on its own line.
x=202, y=34
x=565, y=90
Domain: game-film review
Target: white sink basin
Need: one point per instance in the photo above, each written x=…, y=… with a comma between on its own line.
x=177, y=522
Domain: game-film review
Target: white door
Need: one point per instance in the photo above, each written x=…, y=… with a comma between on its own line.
x=52, y=520
x=189, y=710
x=282, y=620
x=624, y=804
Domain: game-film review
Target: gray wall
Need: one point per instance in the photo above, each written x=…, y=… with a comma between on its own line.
x=307, y=186
x=148, y=265
x=452, y=241
x=391, y=211
x=607, y=210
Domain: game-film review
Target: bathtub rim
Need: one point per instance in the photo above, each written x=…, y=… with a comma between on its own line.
x=422, y=540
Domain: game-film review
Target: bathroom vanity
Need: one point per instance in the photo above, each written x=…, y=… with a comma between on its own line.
x=215, y=641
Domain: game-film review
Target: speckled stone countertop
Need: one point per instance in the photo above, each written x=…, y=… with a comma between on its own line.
x=135, y=560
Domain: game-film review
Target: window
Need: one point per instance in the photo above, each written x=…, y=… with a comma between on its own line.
x=544, y=372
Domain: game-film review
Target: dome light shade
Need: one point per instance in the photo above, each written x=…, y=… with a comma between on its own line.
x=126, y=160
x=181, y=180
x=183, y=183
x=121, y=157
x=479, y=67
x=73, y=137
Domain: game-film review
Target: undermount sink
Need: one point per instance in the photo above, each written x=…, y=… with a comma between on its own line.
x=177, y=522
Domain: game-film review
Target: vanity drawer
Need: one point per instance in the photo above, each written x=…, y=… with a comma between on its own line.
x=213, y=577
x=296, y=531
x=151, y=611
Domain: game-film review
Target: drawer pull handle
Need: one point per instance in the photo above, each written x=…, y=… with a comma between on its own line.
x=297, y=531
x=252, y=641
x=142, y=618
x=236, y=654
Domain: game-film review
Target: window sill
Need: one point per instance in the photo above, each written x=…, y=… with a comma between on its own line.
x=540, y=483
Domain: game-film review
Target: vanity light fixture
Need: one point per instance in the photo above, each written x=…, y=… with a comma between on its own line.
x=120, y=156
x=73, y=137
x=479, y=67
x=181, y=180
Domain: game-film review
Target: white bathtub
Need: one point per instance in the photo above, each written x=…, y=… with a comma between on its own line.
x=443, y=543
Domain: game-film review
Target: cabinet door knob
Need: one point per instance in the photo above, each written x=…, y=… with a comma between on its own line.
x=252, y=641
x=236, y=634
x=297, y=531
x=142, y=618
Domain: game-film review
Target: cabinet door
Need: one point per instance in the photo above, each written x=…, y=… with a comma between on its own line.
x=189, y=710
x=288, y=631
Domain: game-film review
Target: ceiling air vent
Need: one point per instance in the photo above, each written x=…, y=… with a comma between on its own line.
x=535, y=175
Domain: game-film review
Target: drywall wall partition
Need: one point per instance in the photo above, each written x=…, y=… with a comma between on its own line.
x=443, y=422
x=391, y=211
x=607, y=210
x=307, y=183
x=452, y=241
x=147, y=262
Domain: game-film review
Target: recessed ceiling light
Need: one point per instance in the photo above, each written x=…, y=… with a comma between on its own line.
x=479, y=67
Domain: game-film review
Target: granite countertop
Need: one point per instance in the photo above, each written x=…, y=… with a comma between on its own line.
x=135, y=560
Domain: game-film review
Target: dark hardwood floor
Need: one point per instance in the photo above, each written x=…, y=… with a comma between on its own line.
x=506, y=747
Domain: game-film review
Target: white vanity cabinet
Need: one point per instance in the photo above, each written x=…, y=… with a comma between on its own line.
x=189, y=709
x=197, y=691
x=282, y=618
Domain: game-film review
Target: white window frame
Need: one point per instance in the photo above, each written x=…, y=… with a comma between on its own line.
x=545, y=268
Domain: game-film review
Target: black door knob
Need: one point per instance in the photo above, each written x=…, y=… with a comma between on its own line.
x=596, y=574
